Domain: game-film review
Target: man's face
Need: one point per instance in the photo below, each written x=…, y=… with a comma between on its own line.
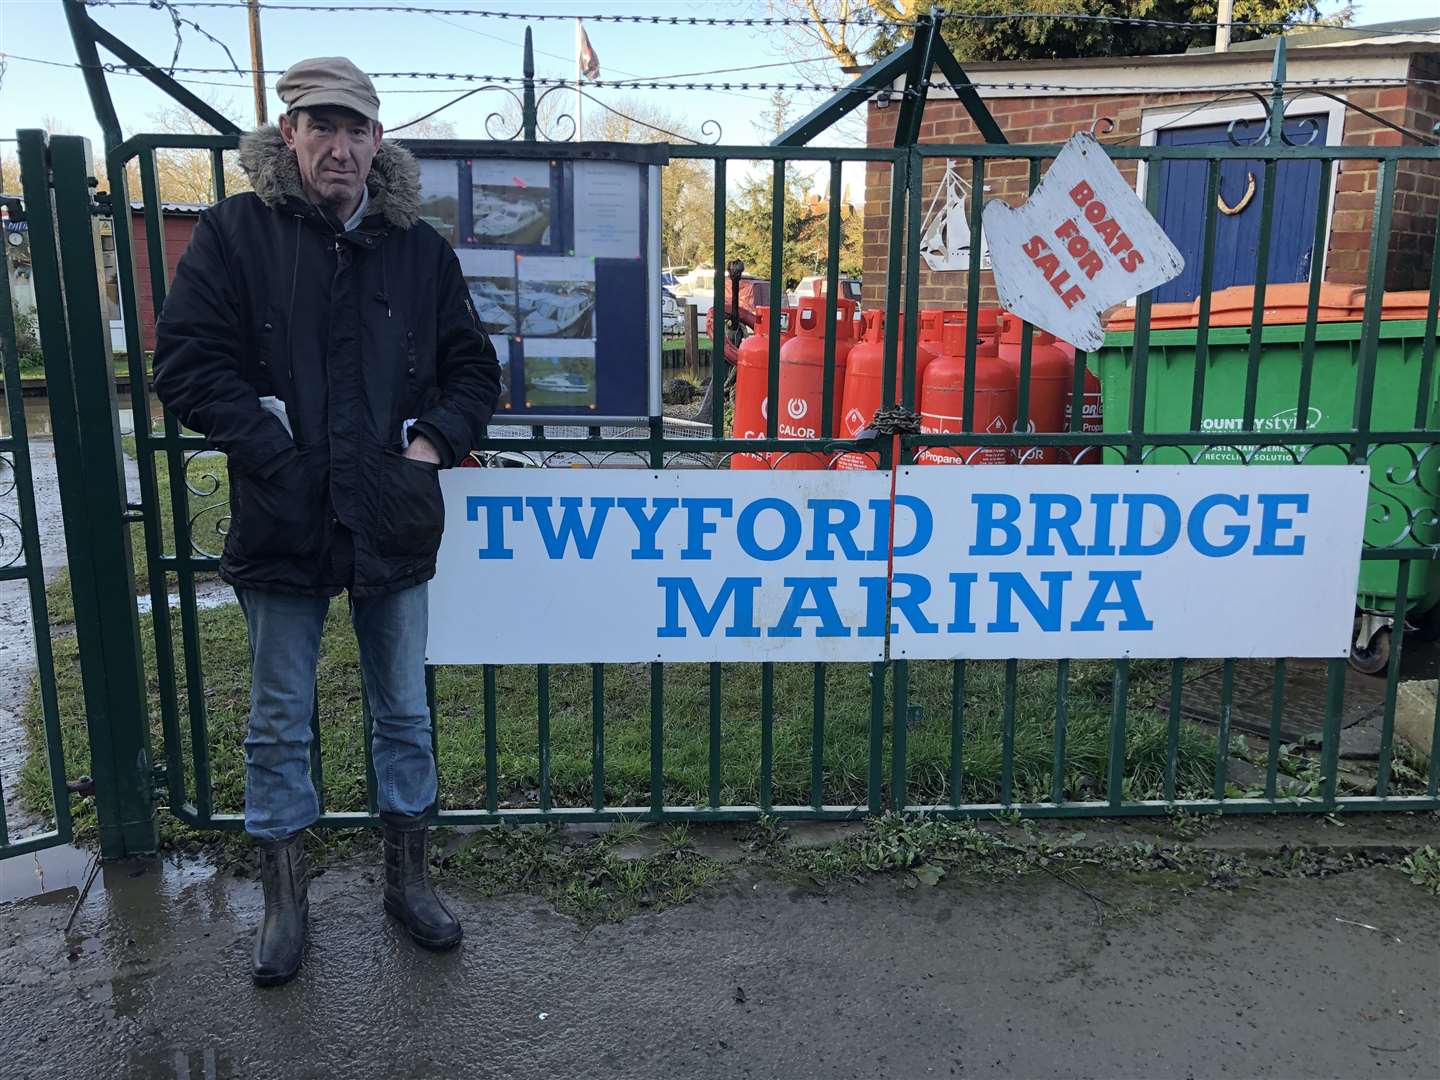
x=334, y=148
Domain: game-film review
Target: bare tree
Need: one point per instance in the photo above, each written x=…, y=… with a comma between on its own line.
x=828, y=23
x=186, y=176
x=429, y=128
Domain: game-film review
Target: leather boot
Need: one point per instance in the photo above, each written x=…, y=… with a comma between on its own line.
x=280, y=941
x=409, y=896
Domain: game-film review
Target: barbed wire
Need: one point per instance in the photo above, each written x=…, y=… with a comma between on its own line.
x=865, y=19
x=138, y=73
x=658, y=84
x=933, y=84
x=179, y=22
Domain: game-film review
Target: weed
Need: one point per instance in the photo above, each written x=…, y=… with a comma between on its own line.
x=1187, y=826
x=767, y=834
x=586, y=881
x=1422, y=867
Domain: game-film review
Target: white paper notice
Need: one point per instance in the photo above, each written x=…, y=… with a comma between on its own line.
x=607, y=210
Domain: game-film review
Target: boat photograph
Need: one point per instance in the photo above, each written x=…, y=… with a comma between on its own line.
x=494, y=300
x=559, y=380
x=510, y=215
x=557, y=309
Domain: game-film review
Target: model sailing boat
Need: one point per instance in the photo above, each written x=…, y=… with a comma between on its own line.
x=945, y=234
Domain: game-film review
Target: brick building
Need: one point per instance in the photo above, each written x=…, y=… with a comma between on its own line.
x=1379, y=69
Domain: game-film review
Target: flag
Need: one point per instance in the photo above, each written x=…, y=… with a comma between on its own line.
x=588, y=62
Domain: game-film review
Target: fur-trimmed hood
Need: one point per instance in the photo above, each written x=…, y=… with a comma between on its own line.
x=394, y=180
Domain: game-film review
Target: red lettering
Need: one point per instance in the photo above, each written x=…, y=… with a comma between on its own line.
x=1095, y=212
x=1047, y=265
x=1059, y=281
x=1073, y=296
x=1122, y=244
x=1067, y=229
x=1082, y=193
x=1108, y=230
x=1131, y=259
x=1091, y=264
x=1034, y=246
x=1078, y=247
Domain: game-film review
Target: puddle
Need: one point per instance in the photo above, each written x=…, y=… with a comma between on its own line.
x=56, y=874
x=211, y=594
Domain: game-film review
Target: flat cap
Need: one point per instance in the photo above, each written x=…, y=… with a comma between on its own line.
x=329, y=80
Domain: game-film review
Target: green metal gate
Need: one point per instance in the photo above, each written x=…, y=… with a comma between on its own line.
x=606, y=742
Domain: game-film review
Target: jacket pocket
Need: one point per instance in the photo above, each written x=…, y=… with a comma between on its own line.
x=411, y=508
x=281, y=516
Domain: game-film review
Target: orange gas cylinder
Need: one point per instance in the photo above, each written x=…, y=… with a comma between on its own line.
x=1052, y=373
x=802, y=378
x=943, y=403
x=751, y=382
x=864, y=370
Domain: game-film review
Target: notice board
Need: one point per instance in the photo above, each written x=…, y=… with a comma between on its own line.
x=560, y=248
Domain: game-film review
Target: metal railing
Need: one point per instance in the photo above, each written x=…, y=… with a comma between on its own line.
x=21, y=565
x=998, y=756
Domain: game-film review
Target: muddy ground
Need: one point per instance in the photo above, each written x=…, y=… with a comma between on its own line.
x=1335, y=976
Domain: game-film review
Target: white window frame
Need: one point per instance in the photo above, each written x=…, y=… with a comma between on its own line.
x=1172, y=117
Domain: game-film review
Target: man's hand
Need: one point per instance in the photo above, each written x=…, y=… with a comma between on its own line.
x=422, y=449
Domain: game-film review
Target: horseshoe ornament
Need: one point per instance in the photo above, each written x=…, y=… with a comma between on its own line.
x=1225, y=208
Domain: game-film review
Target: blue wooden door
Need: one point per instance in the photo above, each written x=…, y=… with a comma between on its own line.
x=1237, y=235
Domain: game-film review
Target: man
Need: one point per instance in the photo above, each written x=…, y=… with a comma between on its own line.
x=322, y=336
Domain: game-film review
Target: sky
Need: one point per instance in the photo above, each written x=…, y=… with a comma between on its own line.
x=33, y=93
x=395, y=42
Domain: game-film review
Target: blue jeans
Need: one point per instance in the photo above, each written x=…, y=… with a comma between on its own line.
x=285, y=630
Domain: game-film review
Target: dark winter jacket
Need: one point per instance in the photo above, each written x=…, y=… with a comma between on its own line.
x=356, y=333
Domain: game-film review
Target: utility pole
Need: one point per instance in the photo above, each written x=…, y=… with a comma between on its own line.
x=257, y=62
x=1223, y=18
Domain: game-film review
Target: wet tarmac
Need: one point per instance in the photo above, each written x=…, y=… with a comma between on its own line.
x=1338, y=976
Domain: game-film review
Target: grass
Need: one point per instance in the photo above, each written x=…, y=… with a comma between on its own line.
x=703, y=342
x=32, y=366
x=594, y=881
x=460, y=729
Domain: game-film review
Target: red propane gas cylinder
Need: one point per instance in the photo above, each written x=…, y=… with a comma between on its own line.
x=1052, y=372
x=943, y=402
x=864, y=368
x=751, y=381
x=802, y=379
x=1092, y=419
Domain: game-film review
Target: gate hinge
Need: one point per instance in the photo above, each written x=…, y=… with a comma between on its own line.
x=159, y=782
x=83, y=786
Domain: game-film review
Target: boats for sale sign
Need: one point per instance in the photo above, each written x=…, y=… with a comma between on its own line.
x=600, y=565
x=1082, y=243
